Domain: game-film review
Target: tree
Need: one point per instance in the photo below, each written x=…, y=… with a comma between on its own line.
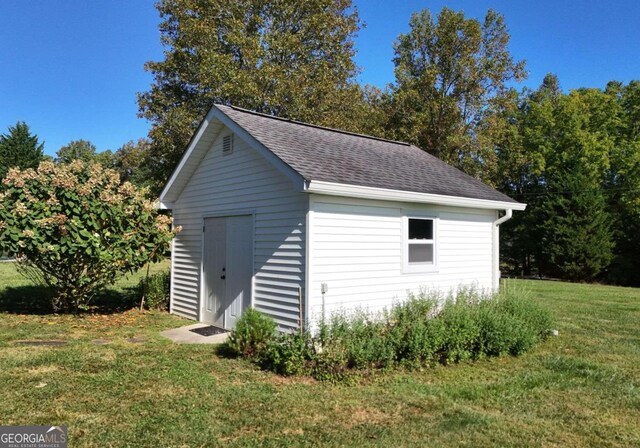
x=449, y=72
x=576, y=240
x=623, y=184
x=290, y=59
x=19, y=148
x=557, y=159
x=76, y=228
x=522, y=132
x=82, y=150
x=129, y=161
x=106, y=158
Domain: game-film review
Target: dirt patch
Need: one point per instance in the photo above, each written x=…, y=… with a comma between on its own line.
x=43, y=369
x=107, y=355
x=367, y=415
x=279, y=380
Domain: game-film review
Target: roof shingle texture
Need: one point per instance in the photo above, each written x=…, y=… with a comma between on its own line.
x=329, y=155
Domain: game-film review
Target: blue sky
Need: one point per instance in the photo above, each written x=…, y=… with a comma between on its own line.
x=71, y=68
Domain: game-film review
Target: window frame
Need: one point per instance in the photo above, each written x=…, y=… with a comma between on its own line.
x=413, y=268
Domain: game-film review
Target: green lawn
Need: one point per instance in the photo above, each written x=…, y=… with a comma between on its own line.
x=579, y=389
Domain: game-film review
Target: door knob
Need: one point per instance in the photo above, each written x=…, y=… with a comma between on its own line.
x=223, y=276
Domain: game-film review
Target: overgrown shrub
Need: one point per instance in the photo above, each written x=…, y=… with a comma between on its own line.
x=417, y=336
x=532, y=323
x=76, y=229
x=421, y=331
x=499, y=330
x=252, y=334
x=362, y=338
x=461, y=329
x=289, y=354
x=153, y=291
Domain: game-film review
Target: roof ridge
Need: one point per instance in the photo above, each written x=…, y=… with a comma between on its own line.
x=325, y=128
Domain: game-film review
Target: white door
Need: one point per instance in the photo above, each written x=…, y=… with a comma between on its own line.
x=239, y=267
x=228, y=268
x=214, y=260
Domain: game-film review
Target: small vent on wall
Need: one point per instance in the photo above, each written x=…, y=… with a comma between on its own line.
x=227, y=144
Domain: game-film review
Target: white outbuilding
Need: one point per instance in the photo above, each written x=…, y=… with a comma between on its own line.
x=298, y=220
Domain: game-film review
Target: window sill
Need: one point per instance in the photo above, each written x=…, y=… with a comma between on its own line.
x=412, y=270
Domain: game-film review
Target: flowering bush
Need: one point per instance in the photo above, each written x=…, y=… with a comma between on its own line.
x=76, y=228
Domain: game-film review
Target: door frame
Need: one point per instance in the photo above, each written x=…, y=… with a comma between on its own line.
x=226, y=214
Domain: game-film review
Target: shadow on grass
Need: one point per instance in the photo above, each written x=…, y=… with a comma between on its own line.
x=224, y=351
x=37, y=300
x=26, y=300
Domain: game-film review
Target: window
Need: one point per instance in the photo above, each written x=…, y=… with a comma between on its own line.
x=420, y=250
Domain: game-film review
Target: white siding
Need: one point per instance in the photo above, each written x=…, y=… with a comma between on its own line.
x=237, y=183
x=356, y=247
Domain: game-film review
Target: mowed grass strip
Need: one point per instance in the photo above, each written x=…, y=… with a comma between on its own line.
x=579, y=389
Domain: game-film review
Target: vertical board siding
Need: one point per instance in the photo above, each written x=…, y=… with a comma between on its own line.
x=242, y=181
x=357, y=249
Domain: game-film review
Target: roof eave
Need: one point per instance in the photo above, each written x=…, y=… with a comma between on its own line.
x=383, y=194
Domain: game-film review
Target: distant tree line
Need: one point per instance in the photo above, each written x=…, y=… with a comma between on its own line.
x=20, y=148
x=573, y=157
x=575, y=160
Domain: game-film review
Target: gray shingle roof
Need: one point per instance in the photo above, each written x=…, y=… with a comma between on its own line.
x=323, y=154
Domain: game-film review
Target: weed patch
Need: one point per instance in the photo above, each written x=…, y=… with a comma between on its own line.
x=424, y=330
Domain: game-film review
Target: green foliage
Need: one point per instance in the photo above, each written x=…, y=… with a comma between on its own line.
x=82, y=150
x=624, y=185
x=576, y=241
x=525, y=323
x=153, y=290
x=417, y=337
x=363, y=340
x=288, y=354
x=420, y=331
x=290, y=59
x=19, y=149
x=461, y=330
x=129, y=161
x=450, y=71
x=75, y=228
x=252, y=334
x=565, y=164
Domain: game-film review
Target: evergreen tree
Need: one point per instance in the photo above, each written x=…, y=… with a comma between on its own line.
x=19, y=148
x=623, y=185
x=558, y=159
x=576, y=238
x=526, y=134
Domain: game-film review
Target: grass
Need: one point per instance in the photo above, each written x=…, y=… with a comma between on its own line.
x=579, y=389
x=18, y=295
